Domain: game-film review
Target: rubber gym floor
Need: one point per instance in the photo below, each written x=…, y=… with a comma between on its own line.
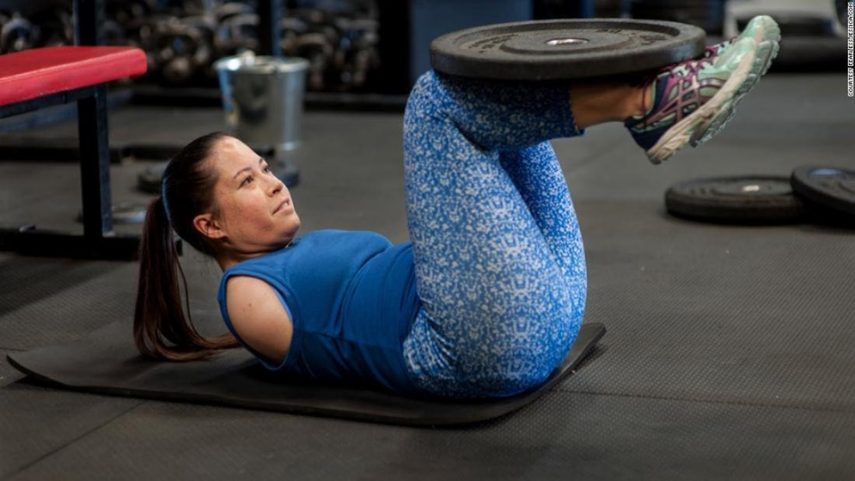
x=729, y=352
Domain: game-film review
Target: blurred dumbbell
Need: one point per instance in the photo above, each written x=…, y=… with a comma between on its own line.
x=315, y=48
x=363, y=62
x=129, y=13
x=113, y=33
x=55, y=27
x=312, y=16
x=236, y=34
x=357, y=50
x=207, y=26
x=289, y=29
x=16, y=34
x=4, y=17
x=231, y=9
x=181, y=50
x=142, y=33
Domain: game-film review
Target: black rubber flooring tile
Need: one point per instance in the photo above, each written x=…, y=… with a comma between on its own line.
x=47, y=194
x=757, y=315
x=561, y=436
x=52, y=301
x=36, y=422
x=48, y=301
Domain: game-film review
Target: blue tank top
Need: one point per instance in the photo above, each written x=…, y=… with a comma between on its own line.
x=351, y=296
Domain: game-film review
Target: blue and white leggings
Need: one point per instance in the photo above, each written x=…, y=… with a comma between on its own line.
x=499, y=262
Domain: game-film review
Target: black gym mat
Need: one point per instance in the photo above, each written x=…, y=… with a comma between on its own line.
x=106, y=362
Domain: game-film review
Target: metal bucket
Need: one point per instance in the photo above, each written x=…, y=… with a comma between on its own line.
x=263, y=99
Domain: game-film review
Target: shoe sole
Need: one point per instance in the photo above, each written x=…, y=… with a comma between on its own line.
x=760, y=25
x=767, y=39
x=707, y=121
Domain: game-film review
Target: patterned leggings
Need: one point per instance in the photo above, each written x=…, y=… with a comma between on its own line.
x=499, y=263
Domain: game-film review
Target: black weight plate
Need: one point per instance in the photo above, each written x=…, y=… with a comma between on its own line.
x=797, y=24
x=810, y=54
x=738, y=200
x=565, y=49
x=826, y=187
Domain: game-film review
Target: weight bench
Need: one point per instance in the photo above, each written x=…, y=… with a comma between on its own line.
x=42, y=77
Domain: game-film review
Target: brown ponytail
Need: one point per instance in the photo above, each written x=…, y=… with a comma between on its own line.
x=162, y=327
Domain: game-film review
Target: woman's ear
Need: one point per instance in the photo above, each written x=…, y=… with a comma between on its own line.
x=208, y=226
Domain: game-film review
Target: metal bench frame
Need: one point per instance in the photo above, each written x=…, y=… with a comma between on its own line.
x=98, y=239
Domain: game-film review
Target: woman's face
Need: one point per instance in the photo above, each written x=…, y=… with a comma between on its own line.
x=255, y=214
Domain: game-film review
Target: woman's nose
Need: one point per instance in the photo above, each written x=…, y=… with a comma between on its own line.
x=276, y=185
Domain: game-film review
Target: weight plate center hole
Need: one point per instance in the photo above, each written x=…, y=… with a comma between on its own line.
x=557, y=42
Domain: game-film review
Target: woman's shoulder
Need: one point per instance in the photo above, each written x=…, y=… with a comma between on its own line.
x=312, y=247
x=345, y=241
x=343, y=233
x=251, y=293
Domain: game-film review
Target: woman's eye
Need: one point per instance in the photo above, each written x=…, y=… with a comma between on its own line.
x=246, y=181
x=266, y=169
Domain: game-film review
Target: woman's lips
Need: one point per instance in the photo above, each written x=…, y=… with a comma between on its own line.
x=285, y=203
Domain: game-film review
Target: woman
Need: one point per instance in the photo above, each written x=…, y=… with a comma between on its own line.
x=488, y=296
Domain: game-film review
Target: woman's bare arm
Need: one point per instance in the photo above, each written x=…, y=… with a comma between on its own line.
x=259, y=317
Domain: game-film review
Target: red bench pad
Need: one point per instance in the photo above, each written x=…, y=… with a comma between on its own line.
x=42, y=71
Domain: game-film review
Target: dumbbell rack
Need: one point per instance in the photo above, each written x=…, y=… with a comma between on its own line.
x=327, y=40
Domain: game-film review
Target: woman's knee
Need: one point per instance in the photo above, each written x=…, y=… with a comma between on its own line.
x=510, y=375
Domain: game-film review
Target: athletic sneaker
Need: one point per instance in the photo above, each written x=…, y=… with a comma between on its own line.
x=693, y=100
x=761, y=28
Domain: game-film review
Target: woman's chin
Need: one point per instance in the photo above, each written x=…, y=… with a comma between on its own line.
x=292, y=232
